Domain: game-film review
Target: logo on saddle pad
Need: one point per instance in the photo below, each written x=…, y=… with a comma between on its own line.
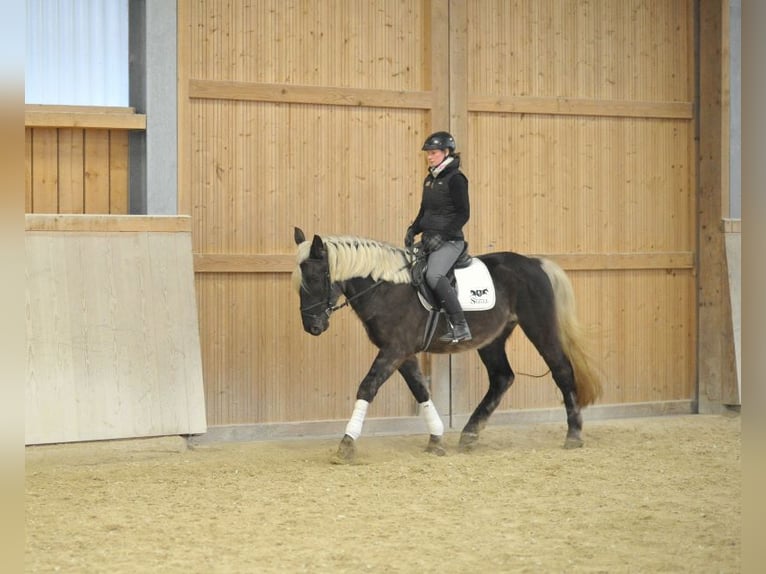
x=475, y=289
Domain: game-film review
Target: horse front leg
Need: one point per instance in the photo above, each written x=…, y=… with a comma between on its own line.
x=413, y=376
x=382, y=368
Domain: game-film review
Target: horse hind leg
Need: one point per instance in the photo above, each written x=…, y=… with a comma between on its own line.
x=500, y=380
x=547, y=343
x=564, y=377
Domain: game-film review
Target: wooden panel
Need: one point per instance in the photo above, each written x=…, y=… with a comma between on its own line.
x=72, y=164
x=113, y=347
x=262, y=163
x=71, y=161
x=45, y=171
x=632, y=50
x=97, y=171
x=337, y=43
x=563, y=184
x=118, y=172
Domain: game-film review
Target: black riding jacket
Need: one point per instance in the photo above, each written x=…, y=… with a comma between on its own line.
x=444, y=207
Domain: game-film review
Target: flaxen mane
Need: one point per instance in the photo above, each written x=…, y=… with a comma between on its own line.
x=351, y=257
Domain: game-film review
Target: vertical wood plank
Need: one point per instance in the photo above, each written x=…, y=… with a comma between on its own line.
x=45, y=170
x=118, y=172
x=97, y=171
x=437, y=43
x=71, y=160
x=710, y=241
x=28, y=167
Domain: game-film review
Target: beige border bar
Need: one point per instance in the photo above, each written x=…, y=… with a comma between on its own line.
x=108, y=223
x=295, y=94
x=110, y=118
x=264, y=263
x=580, y=107
x=212, y=263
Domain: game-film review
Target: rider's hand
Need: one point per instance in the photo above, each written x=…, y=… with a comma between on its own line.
x=409, y=239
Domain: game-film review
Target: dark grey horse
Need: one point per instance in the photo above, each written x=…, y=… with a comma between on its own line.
x=375, y=278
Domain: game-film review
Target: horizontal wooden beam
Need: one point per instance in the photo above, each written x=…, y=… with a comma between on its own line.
x=260, y=263
x=296, y=94
x=265, y=263
x=580, y=107
x=93, y=117
x=623, y=261
x=108, y=223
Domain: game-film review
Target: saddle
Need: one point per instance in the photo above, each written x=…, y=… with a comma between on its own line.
x=469, y=277
x=419, y=274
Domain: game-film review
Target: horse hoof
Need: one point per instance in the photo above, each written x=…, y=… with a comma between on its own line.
x=435, y=446
x=345, y=453
x=573, y=442
x=338, y=458
x=468, y=441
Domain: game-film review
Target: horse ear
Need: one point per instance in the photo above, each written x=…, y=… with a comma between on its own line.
x=299, y=236
x=317, y=248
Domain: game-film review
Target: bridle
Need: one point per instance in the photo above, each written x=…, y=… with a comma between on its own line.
x=330, y=308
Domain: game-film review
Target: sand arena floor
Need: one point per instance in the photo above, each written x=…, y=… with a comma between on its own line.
x=644, y=495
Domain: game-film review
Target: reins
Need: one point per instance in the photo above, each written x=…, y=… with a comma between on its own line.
x=362, y=292
x=377, y=283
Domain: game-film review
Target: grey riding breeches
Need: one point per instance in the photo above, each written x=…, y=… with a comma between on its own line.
x=442, y=260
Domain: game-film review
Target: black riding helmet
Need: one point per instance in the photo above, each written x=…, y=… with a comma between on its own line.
x=439, y=140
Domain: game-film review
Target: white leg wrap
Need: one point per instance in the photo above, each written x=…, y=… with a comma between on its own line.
x=354, y=426
x=434, y=422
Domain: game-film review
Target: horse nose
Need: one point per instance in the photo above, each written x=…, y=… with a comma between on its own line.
x=315, y=330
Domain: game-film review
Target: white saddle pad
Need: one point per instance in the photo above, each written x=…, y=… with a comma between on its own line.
x=475, y=289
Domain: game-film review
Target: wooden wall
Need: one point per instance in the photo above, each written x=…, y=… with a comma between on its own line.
x=579, y=132
x=575, y=120
x=295, y=113
x=77, y=158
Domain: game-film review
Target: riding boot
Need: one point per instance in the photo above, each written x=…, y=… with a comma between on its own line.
x=459, y=330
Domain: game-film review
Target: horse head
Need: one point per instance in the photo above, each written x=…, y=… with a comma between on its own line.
x=318, y=294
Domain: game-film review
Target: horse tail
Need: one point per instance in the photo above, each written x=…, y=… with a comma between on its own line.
x=572, y=335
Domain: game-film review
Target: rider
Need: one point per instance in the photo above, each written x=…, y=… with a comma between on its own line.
x=444, y=210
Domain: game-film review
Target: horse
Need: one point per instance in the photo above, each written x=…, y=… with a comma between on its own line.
x=375, y=278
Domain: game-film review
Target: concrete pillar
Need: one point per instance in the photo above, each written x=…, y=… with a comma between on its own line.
x=153, y=77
